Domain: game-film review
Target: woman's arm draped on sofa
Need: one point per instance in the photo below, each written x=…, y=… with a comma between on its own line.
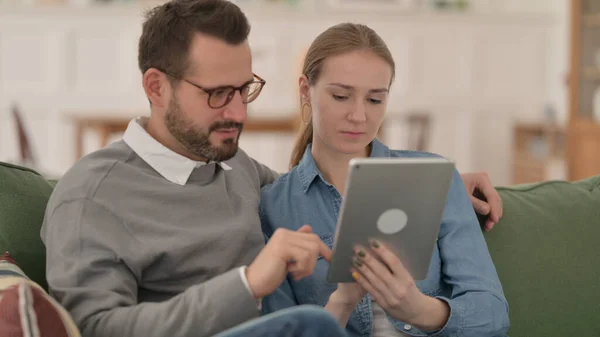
x=478, y=305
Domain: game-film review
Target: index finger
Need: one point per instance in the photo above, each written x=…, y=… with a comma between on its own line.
x=324, y=251
x=389, y=258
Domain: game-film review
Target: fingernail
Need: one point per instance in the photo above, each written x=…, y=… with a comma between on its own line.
x=357, y=263
x=375, y=244
x=355, y=275
x=362, y=253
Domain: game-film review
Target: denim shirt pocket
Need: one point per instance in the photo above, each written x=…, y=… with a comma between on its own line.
x=315, y=289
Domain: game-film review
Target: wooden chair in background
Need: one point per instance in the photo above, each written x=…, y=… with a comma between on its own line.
x=26, y=156
x=418, y=125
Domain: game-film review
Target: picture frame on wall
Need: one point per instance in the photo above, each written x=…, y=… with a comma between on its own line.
x=374, y=5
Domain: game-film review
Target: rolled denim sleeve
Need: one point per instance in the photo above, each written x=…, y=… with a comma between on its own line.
x=477, y=303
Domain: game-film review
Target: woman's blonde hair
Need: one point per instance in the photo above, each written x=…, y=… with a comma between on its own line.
x=336, y=40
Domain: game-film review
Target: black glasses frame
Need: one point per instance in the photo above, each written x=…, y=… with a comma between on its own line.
x=232, y=89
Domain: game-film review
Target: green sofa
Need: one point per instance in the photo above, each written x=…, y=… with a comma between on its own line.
x=544, y=248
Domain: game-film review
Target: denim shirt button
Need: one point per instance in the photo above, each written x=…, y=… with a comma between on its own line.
x=407, y=327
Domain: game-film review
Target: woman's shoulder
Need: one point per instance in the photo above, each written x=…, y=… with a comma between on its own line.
x=283, y=182
x=414, y=154
x=281, y=191
x=281, y=202
x=421, y=154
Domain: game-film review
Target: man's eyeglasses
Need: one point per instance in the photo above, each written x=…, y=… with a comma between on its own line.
x=221, y=96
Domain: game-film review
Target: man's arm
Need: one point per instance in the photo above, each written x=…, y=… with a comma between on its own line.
x=94, y=266
x=484, y=197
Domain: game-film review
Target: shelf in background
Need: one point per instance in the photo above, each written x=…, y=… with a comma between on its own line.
x=592, y=73
x=591, y=20
x=538, y=153
x=108, y=126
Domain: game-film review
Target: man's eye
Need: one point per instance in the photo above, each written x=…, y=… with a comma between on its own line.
x=375, y=101
x=220, y=92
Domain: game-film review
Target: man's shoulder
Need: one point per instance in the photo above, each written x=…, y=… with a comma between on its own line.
x=246, y=165
x=243, y=161
x=84, y=177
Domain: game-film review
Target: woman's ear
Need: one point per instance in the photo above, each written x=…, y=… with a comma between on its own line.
x=304, y=88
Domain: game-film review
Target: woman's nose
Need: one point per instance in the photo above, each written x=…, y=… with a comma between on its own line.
x=358, y=113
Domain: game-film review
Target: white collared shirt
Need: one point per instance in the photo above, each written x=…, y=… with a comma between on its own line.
x=171, y=165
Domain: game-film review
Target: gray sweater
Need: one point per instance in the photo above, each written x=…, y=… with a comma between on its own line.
x=132, y=254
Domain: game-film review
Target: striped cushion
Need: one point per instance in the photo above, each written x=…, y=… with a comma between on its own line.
x=26, y=310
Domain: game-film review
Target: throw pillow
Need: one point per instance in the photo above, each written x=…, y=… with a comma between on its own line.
x=26, y=310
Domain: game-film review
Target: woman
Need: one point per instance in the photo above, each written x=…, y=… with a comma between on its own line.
x=344, y=89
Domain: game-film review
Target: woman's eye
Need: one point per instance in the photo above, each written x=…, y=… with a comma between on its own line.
x=375, y=101
x=339, y=97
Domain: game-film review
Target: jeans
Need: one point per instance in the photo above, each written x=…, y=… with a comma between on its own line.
x=299, y=321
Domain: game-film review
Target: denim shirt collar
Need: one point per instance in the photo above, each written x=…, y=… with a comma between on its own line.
x=307, y=168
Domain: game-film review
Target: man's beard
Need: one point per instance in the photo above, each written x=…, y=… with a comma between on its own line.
x=196, y=140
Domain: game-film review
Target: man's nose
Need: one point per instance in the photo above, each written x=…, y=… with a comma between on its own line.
x=236, y=110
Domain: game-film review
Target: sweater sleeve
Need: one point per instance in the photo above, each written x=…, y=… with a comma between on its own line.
x=267, y=176
x=94, y=268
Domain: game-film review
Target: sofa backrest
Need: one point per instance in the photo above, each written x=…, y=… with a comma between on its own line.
x=544, y=248
x=23, y=197
x=547, y=253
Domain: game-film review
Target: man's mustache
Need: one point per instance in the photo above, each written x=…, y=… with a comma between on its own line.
x=225, y=125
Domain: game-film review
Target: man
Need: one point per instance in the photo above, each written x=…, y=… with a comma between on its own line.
x=151, y=236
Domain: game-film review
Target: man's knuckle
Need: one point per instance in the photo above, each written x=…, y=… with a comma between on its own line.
x=279, y=232
x=401, y=293
x=305, y=255
x=393, y=302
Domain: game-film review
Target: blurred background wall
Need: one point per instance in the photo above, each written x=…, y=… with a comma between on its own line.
x=474, y=78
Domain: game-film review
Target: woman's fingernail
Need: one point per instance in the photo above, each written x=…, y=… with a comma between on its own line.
x=362, y=253
x=357, y=263
x=375, y=244
x=355, y=275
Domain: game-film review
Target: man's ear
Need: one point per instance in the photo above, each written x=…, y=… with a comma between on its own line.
x=304, y=89
x=157, y=87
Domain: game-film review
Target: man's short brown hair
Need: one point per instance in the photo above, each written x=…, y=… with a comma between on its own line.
x=168, y=30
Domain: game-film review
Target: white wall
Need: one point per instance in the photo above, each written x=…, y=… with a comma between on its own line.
x=476, y=72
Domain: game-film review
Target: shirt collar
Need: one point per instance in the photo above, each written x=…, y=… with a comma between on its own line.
x=171, y=165
x=308, y=170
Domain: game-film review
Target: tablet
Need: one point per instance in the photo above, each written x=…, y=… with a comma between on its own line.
x=398, y=201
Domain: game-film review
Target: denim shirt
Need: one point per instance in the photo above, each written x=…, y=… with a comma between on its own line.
x=461, y=271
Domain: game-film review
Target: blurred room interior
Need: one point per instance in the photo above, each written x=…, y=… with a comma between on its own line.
x=509, y=87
